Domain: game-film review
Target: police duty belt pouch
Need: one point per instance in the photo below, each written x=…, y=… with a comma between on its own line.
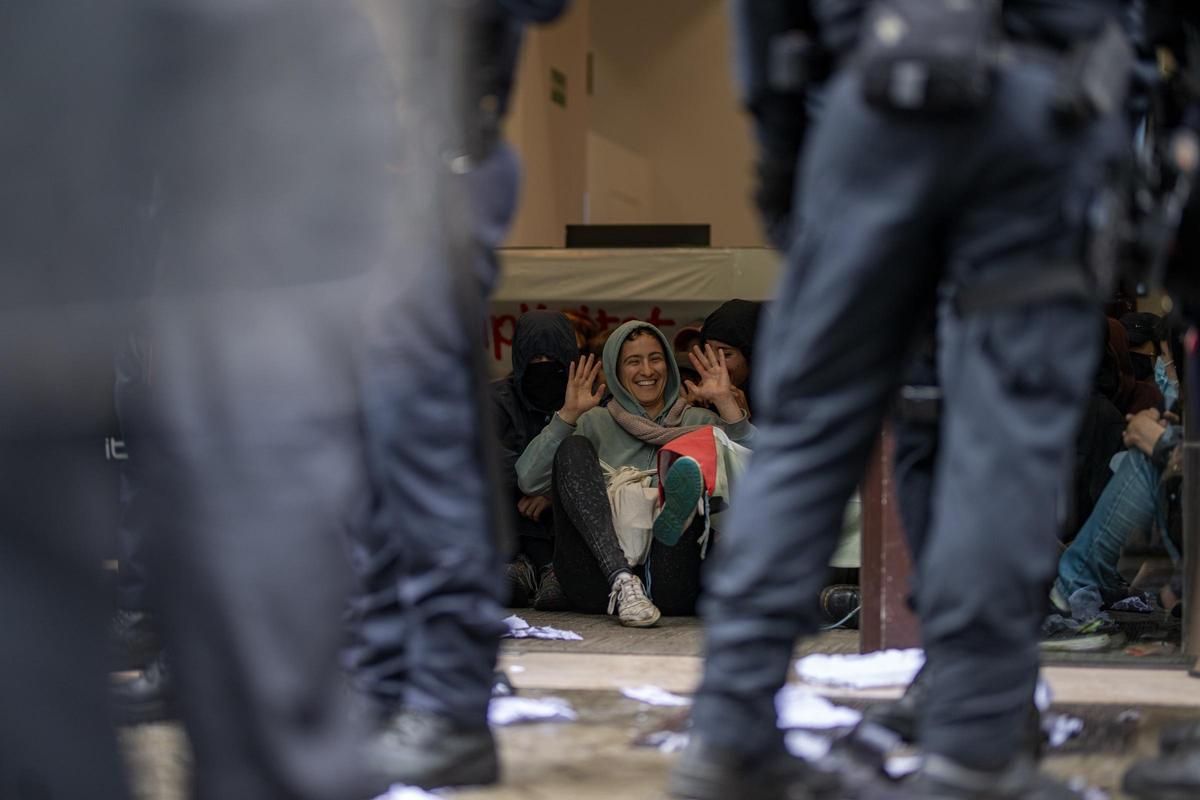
x=929, y=56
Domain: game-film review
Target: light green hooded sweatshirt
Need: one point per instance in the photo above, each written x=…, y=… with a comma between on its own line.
x=613, y=445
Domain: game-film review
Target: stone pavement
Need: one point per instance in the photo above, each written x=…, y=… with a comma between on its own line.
x=594, y=757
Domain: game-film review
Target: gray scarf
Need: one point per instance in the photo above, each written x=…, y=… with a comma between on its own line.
x=649, y=431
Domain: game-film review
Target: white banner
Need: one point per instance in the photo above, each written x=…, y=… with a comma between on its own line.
x=669, y=288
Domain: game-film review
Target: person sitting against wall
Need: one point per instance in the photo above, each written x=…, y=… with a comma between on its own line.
x=1134, y=500
x=731, y=330
x=543, y=351
x=1130, y=394
x=583, y=442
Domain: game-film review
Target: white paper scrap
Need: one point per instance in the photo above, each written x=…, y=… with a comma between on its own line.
x=1080, y=786
x=546, y=632
x=898, y=767
x=400, y=792
x=1061, y=728
x=511, y=710
x=655, y=696
x=666, y=741
x=520, y=629
x=800, y=707
x=880, y=670
x=808, y=746
x=1043, y=695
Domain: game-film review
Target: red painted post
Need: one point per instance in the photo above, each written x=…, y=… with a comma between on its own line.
x=887, y=621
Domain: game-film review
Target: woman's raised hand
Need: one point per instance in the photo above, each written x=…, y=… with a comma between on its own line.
x=582, y=392
x=714, y=387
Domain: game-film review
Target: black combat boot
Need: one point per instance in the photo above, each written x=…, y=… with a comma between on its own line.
x=431, y=751
x=943, y=779
x=706, y=771
x=900, y=716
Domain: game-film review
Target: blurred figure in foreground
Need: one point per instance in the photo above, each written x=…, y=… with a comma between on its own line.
x=429, y=553
x=926, y=176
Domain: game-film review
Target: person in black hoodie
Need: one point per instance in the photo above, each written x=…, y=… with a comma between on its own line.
x=732, y=329
x=544, y=346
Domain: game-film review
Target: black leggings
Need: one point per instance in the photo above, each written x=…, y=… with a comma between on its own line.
x=587, y=554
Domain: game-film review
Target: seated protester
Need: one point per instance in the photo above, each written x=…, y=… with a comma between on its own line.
x=1141, y=330
x=1130, y=504
x=571, y=456
x=731, y=329
x=1130, y=395
x=543, y=351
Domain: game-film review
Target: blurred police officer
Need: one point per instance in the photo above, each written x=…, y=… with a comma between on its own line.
x=953, y=159
x=428, y=619
x=272, y=128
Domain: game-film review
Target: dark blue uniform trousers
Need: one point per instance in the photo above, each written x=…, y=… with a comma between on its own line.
x=893, y=208
x=426, y=622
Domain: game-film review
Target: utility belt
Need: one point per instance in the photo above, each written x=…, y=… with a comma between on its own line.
x=940, y=57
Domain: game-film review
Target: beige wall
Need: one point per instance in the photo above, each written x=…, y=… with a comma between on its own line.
x=663, y=89
x=661, y=138
x=551, y=139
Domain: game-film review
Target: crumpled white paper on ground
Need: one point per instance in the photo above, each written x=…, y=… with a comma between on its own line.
x=885, y=669
x=399, y=792
x=666, y=741
x=1061, y=728
x=898, y=767
x=655, y=696
x=511, y=710
x=1080, y=787
x=808, y=746
x=520, y=629
x=800, y=707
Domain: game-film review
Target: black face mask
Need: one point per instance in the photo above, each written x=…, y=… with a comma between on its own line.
x=544, y=386
x=1143, y=366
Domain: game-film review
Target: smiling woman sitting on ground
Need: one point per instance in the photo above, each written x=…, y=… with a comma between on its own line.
x=584, y=442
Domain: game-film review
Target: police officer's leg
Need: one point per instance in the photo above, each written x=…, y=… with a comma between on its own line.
x=256, y=469
x=277, y=196
x=1011, y=414
x=63, y=76
x=834, y=342
x=430, y=455
x=1014, y=380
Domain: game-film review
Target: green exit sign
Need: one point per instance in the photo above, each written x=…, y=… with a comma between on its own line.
x=558, y=87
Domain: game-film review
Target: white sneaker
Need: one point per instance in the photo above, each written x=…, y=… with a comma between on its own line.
x=629, y=597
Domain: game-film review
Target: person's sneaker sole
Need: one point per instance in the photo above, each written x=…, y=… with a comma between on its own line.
x=683, y=489
x=1089, y=643
x=650, y=623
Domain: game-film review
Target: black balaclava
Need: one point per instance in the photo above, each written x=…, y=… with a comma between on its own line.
x=543, y=333
x=544, y=385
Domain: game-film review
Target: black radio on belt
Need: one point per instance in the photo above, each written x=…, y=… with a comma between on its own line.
x=929, y=56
